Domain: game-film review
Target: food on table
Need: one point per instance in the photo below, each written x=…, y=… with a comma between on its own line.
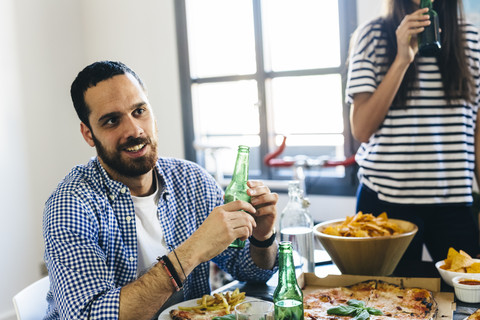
x=365, y=225
x=475, y=315
x=470, y=282
x=192, y=315
x=356, y=309
x=460, y=261
x=372, y=296
x=230, y=316
x=208, y=307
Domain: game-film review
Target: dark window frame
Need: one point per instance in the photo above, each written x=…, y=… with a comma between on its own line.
x=323, y=185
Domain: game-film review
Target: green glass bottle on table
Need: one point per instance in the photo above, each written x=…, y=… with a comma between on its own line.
x=237, y=189
x=288, y=297
x=429, y=39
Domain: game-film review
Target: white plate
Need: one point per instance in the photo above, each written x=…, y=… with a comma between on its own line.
x=165, y=315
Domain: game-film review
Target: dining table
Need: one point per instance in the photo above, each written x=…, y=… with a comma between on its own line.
x=325, y=266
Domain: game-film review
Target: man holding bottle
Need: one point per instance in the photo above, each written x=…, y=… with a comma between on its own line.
x=108, y=221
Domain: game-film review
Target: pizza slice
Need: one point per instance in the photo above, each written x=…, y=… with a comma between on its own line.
x=340, y=295
x=403, y=303
x=394, y=301
x=317, y=303
x=196, y=315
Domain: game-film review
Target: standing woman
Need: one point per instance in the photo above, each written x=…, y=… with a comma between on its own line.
x=416, y=118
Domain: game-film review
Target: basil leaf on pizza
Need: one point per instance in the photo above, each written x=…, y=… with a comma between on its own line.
x=374, y=312
x=362, y=315
x=354, y=308
x=356, y=303
x=342, y=310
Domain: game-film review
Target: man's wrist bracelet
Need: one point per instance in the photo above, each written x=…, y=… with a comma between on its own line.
x=171, y=272
x=263, y=244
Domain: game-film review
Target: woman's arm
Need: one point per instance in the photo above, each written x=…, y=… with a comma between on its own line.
x=369, y=109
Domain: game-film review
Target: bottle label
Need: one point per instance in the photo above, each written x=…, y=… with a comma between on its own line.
x=288, y=309
x=229, y=197
x=302, y=246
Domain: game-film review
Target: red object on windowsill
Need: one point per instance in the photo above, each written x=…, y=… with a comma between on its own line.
x=271, y=159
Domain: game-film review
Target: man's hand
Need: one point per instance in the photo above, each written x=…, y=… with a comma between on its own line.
x=265, y=203
x=237, y=219
x=223, y=225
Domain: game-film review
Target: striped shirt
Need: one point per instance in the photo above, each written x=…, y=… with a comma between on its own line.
x=424, y=153
x=91, y=242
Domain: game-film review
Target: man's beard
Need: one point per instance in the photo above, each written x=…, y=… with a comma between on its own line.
x=129, y=167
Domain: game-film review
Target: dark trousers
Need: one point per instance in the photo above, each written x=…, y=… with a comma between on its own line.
x=439, y=226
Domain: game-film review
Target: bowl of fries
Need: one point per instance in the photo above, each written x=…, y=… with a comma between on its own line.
x=457, y=263
x=364, y=244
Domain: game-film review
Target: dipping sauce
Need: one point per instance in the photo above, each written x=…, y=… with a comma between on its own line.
x=470, y=282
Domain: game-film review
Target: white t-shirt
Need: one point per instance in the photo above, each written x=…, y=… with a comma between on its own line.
x=150, y=238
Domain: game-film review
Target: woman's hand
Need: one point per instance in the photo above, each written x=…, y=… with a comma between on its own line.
x=407, y=31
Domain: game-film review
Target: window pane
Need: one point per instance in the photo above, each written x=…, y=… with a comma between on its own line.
x=221, y=37
x=226, y=108
x=301, y=37
x=301, y=34
x=306, y=105
x=223, y=159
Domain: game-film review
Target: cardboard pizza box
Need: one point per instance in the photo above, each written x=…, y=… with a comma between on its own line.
x=446, y=305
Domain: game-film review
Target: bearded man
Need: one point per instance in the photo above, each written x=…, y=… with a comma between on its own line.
x=130, y=232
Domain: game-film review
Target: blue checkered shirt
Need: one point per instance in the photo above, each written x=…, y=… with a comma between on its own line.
x=91, y=243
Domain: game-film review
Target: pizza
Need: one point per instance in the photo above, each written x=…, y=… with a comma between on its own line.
x=177, y=314
x=475, y=315
x=393, y=301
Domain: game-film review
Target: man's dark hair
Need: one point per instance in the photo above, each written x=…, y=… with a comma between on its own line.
x=89, y=77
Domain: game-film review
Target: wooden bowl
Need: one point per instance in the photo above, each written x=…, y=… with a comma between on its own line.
x=373, y=256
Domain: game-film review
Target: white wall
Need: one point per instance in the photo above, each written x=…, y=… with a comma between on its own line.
x=14, y=171
x=44, y=45
x=142, y=35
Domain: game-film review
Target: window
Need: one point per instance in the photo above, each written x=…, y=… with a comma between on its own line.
x=253, y=71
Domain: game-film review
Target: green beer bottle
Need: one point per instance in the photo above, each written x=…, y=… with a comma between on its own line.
x=288, y=297
x=237, y=189
x=429, y=39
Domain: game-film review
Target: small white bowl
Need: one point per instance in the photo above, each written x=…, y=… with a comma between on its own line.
x=465, y=292
x=447, y=276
